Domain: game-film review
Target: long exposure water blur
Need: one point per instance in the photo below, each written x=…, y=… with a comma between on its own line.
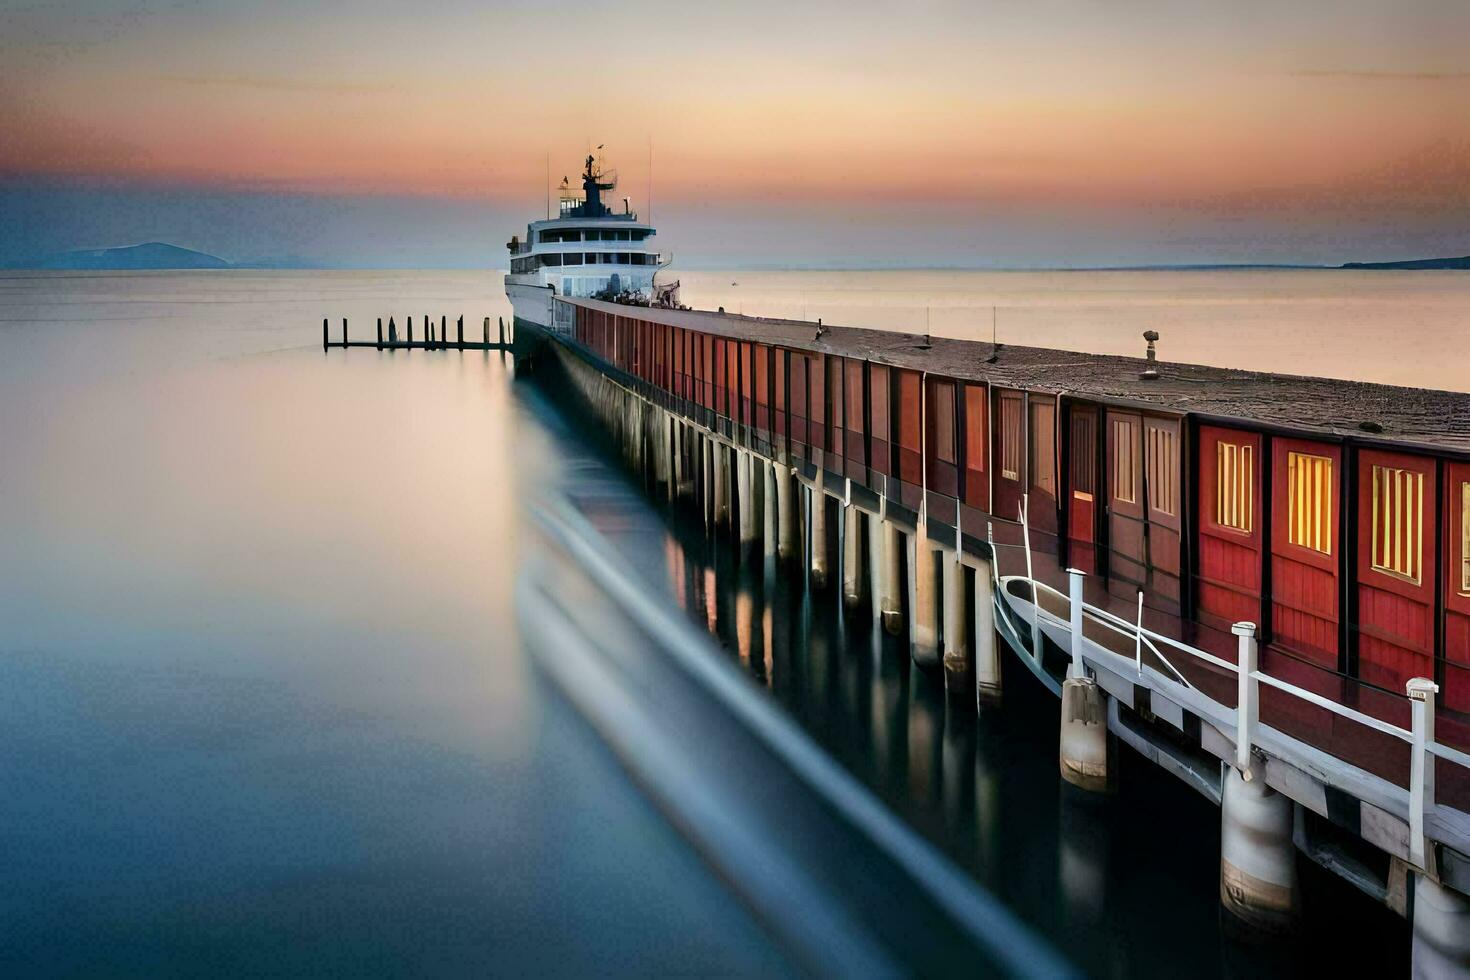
x=265, y=705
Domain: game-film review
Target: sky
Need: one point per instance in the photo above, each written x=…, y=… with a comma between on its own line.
x=1051, y=133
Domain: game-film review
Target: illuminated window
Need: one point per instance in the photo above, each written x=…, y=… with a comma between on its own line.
x=1125, y=461
x=1163, y=469
x=1465, y=539
x=1309, y=501
x=1398, y=522
x=1010, y=436
x=1235, y=486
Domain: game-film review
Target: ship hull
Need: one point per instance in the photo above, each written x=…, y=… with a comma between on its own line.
x=530, y=303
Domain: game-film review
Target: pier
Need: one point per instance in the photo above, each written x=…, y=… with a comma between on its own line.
x=1258, y=583
x=432, y=336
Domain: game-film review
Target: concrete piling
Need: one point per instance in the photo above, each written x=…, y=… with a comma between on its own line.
x=852, y=556
x=745, y=497
x=1258, y=881
x=958, y=662
x=787, y=530
x=987, y=649
x=770, y=519
x=818, y=545
x=1441, y=943
x=888, y=598
x=722, y=486
x=923, y=602
x=1084, y=737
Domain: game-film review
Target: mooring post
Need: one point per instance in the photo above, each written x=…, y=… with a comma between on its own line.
x=987, y=651
x=324, y=333
x=1075, y=604
x=380, y=333
x=1247, y=696
x=1421, y=691
x=1084, y=735
x=957, y=662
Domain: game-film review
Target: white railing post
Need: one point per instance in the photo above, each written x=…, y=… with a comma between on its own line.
x=1247, y=697
x=1074, y=581
x=1138, y=638
x=1421, y=692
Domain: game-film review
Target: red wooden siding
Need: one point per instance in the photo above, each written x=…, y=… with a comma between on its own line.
x=761, y=355
x=941, y=437
x=879, y=418
x=1125, y=502
x=836, y=413
x=854, y=417
x=910, y=436
x=1230, y=535
x=1041, y=463
x=1306, y=482
x=1457, y=587
x=817, y=403
x=977, y=448
x=1009, y=462
x=780, y=354
x=1082, y=489
x=1395, y=573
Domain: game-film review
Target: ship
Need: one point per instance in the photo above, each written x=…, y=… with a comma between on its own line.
x=588, y=250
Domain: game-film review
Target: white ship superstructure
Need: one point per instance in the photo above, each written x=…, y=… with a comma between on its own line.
x=588, y=249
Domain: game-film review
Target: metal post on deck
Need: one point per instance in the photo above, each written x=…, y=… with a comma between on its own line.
x=1247, y=696
x=1421, y=691
x=1074, y=582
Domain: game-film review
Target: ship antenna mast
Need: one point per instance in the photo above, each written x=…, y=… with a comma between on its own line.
x=548, y=187
x=649, y=219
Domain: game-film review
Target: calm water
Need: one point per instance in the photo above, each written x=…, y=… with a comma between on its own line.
x=262, y=704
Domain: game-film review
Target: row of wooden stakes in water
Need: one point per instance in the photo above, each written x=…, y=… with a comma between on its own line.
x=432, y=339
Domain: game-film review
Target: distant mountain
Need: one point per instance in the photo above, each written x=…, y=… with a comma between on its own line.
x=1463, y=263
x=151, y=255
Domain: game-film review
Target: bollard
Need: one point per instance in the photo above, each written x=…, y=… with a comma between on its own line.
x=987, y=650
x=1258, y=882
x=324, y=333
x=923, y=601
x=852, y=556
x=957, y=660
x=1421, y=691
x=889, y=607
x=818, y=543
x=1247, y=697
x=380, y=333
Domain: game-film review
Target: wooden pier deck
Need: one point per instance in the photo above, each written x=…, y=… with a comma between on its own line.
x=434, y=337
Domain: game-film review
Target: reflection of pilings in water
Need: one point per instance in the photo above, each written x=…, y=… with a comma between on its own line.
x=925, y=723
x=1082, y=855
x=957, y=765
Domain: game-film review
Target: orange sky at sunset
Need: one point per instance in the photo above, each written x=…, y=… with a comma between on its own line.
x=1349, y=109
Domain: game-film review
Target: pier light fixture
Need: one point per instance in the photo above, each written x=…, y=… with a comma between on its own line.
x=1151, y=367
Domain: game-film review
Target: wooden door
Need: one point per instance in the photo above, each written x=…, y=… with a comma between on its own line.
x=1010, y=454
x=1127, y=552
x=1230, y=535
x=1041, y=466
x=1163, y=477
x=1082, y=507
x=1457, y=587
x=1395, y=587
x=977, y=448
x=1306, y=482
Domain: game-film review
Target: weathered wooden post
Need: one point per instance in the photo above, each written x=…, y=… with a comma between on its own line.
x=502, y=330
x=443, y=331
x=324, y=333
x=392, y=333
x=461, y=331
x=487, y=331
x=344, y=333
x=410, y=331
x=380, y=333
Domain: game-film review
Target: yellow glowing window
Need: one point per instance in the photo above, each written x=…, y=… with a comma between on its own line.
x=1309, y=501
x=1465, y=539
x=1398, y=522
x=1125, y=461
x=1235, y=484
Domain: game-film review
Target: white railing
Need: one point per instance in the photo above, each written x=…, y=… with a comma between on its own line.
x=1420, y=690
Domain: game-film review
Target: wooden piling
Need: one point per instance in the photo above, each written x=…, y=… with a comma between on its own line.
x=460, y=322
x=487, y=331
x=502, y=330
x=410, y=331
x=344, y=333
x=443, y=331
x=380, y=333
x=324, y=333
x=392, y=332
